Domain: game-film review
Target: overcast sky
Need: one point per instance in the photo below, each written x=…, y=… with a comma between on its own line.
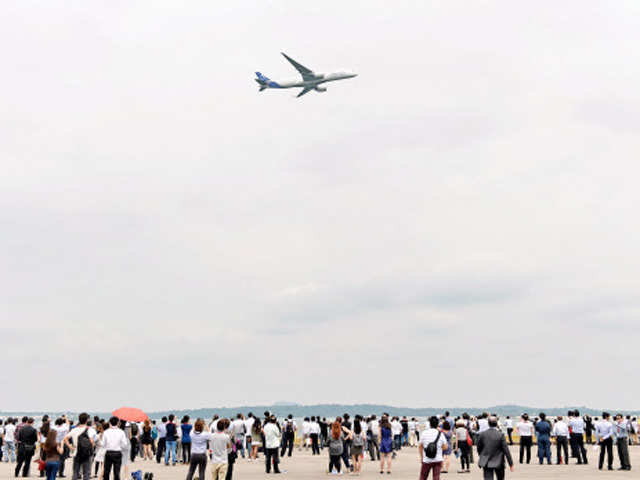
x=458, y=225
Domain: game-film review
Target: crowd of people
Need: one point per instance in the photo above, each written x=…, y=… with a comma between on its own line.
x=97, y=448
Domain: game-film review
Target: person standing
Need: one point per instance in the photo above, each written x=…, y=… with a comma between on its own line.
x=621, y=432
x=374, y=449
x=162, y=439
x=289, y=435
x=115, y=441
x=27, y=438
x=446, y=453
x=431, y=458
x=396, y=432
x=492, y=452
x=385, y=434
x=185, y=439
x=561, y=433
x=346, y=450
x=576, y=437
x=272, y=438
x=314, y=433
x=604, y=437
x=52, y=451
x=413, y=438
x=336, y=446
x=525, y=431
x=508, y=423
x=588, y=428
x=256, y=438
x=9, y=440
x=543, y=434
x=358, y=438
x=404, y=423
x=147, y=440
x=80, y=442
x=170, y=440
x=199, y=438
x=61, y=428
x=220, y=447
x=462, y=440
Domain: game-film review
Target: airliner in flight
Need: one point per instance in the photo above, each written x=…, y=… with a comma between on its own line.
x=310, y=79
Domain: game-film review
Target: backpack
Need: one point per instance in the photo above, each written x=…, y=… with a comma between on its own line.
x=431, y=450
x=134, y=429
x=84, y=447
x=357, y=440
x=289, y=427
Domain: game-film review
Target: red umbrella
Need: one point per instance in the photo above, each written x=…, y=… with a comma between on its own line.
x=130, y=414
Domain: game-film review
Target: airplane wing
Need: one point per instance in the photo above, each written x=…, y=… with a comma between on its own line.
x=304, y=90
x=304, y=71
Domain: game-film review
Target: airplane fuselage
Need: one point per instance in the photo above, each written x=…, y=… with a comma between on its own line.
x=319, y=80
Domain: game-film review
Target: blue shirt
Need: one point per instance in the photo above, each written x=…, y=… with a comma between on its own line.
x=186, y=432
x=543, y=429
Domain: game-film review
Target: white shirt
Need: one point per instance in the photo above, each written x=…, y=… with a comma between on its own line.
x=428, y=436
x=604, y=429
x=213, y=428
x=374, y=426
x=199, y=441
x=525, y=429
x=315, y=428
x=396, y=428
x=9, y=433
x=61, y=431
x=306, y=428
x=114, y=439
x=508, y=423
x=76, y=432
x=560, y=429
x=219, y=447
x=248, y=424
x=483, y=425
x=271, y=435
x=576, y=424
x=237, y=428
x=412, y=426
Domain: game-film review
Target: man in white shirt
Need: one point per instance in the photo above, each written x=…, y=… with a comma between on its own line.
x=220, y=447
x=374, y=448
x=483, y=423
x=9, y=440
x=237, y=433
x=306, y=432
x=604, y=437
x=248, y=426
x=396, y=431
x=525, y=431
x=114, y=442
x=272, y=437
x=576, y=437
x=508, y=424
x=162, y=439
x=431, y=434
x=72, y=440
x=412, y=432
x=561, y=433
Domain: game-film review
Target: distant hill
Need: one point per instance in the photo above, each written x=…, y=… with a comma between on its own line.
x=333, y=410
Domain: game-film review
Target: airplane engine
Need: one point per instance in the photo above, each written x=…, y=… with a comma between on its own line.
x=321, y=89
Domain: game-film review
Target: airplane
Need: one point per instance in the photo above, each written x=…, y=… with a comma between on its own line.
x=310, y=79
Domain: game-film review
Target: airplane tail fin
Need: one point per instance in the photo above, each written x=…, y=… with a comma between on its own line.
x=261, y=79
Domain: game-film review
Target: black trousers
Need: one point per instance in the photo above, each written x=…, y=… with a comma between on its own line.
x=608, y=446
x=374, y=449
x=488, y=473
x=134, y=448
x=623, y=453
x=287, y=442
x=270, y=456
x=509, y=432
x=525, y=446
x=562, y=445
x=199, y=461
x=162, y=444
x=334, y=461
x=85, y=467
x=186, y=452
x=315, y=447
x=464, y=454
x=346, y=453
x=63, y=458
x=581, y=452
x=112, y=459
x=25, y=454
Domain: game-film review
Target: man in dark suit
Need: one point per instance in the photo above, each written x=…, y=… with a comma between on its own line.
x=492, y=450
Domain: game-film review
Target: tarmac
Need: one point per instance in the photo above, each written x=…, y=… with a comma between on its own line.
x=302, y=465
